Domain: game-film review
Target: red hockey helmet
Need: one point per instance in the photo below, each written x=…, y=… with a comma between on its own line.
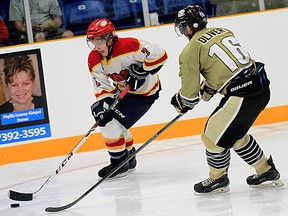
x=102, y=29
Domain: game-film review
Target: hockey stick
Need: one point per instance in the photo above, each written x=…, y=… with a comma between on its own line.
x=14, y=195
x=61, y=208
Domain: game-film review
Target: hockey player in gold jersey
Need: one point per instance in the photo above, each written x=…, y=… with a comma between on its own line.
x=114, y=63
x=213, y=62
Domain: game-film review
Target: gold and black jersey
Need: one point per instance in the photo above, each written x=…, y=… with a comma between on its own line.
x=215, y=54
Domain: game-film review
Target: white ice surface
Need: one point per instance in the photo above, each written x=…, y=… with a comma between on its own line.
x=161, y=185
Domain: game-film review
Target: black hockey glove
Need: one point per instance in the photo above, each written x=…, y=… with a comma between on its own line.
x=181, y=104
x=207, y=90
x=136, y=77
x=100, y=111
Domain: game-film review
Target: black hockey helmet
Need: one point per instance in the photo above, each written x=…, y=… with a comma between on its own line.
x=193, y=16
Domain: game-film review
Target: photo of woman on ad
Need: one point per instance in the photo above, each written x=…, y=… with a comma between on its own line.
x=19, y=76
x=23, y=105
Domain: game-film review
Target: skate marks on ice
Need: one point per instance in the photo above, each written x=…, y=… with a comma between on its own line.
x=161, y=185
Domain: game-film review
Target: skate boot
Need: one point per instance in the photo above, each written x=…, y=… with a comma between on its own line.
x=271, y=178
x=132, y=161
x=121, y=172
x=211, y=186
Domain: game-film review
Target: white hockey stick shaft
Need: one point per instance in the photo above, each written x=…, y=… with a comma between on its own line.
x=14, y=195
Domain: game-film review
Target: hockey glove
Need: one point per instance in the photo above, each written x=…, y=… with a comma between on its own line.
x=136, y=77
x=181, y=104
x=100, y=111
x=207, y=90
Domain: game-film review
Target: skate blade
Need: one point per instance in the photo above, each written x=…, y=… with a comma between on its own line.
x=269, y=184
x=216, y=191
x=122, y=175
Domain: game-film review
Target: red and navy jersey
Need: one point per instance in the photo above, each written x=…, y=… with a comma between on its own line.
x=108, y=74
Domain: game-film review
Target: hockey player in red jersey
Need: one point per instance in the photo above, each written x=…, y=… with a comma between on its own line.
x=215, y=56
x=114, y=63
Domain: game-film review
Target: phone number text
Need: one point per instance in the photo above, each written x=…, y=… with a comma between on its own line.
x=25, y=133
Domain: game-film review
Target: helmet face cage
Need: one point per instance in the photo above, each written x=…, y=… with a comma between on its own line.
x=90, y=41
x=193, y=16
x=180, y=24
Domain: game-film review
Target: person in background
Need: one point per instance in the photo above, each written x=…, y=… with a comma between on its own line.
x=46, y=19
x=19, y=76
x=215, y=56
x=114, y=63
x=4, y=33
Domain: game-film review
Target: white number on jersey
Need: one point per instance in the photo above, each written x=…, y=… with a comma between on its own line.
x=232, y=52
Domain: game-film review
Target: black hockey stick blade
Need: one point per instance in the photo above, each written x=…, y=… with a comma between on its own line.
x=14, y=195
x=61, y=208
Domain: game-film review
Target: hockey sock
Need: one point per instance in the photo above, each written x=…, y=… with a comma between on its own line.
x=218, y=163
x=249, y=150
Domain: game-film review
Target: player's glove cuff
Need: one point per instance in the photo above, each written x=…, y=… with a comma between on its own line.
x=138, y=72
x=207, y=90
x=181, y=104
x=100, y=111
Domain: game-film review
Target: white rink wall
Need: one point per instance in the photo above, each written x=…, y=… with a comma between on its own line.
x=69, y=89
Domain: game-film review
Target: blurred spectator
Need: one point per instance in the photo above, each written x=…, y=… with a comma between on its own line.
x=4, y=33
x=45, y=18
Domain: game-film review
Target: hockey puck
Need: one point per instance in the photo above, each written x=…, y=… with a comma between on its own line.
x=15, y=205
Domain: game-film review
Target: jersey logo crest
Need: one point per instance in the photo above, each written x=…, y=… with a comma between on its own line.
x=118, y=77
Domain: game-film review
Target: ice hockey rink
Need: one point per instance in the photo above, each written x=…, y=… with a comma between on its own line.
x=162, y=185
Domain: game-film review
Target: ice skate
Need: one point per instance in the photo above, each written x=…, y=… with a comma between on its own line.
x=212, y=186
x=121, y=172
x=132, y=161
x=271, y=178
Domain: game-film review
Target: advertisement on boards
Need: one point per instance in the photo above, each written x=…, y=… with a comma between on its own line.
x=23, y=105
